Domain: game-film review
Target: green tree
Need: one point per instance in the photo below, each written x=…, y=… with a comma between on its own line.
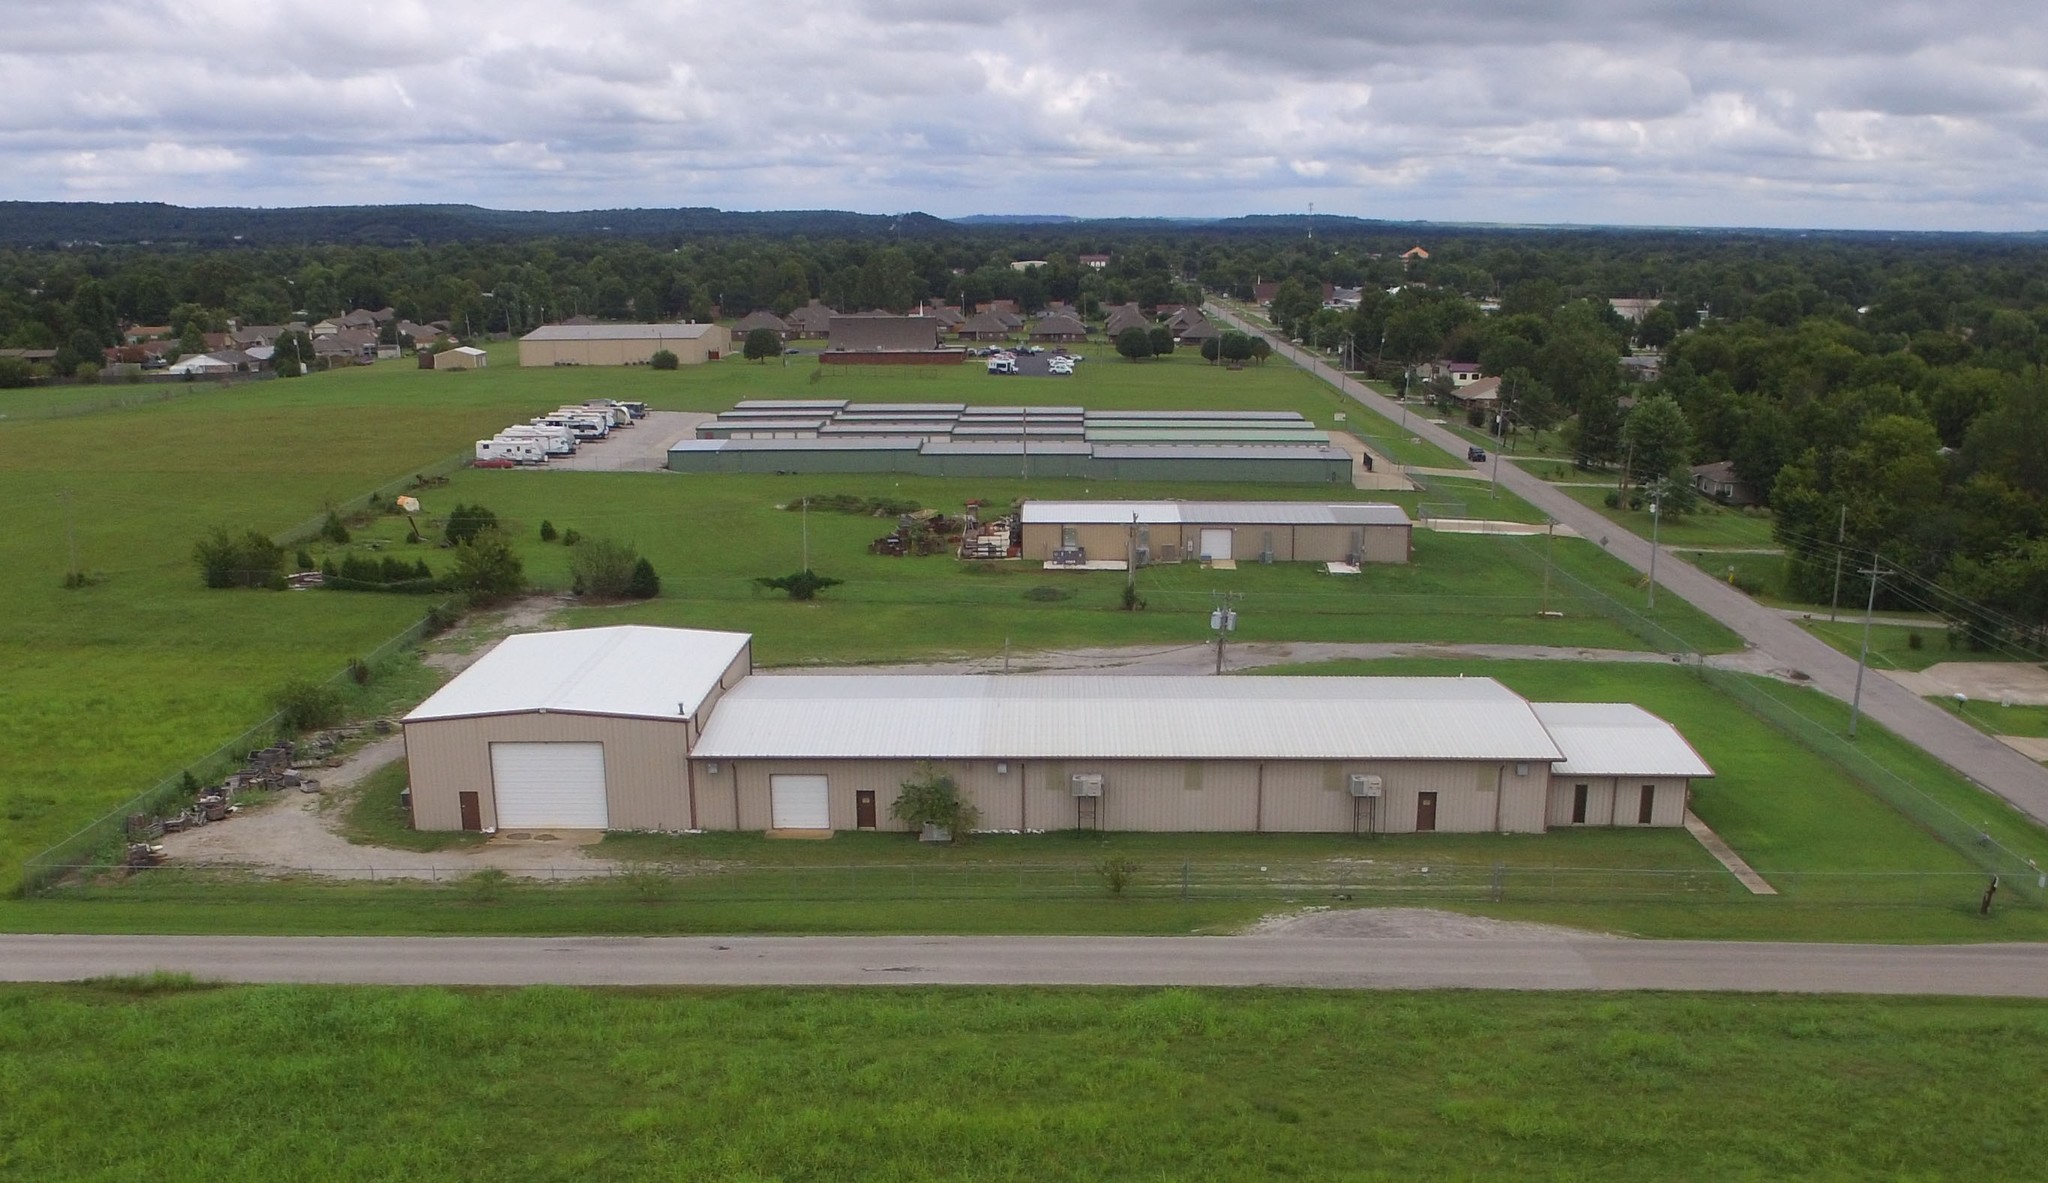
x=486, y=568
x=1162, y=340
x=1235, y=346
x=933, y=798
x=762, y=343
x=1657, y=440
x=602, y=568
x=465, y=522
x=663, y=359
x=292, y=354
x=1134, y=343
x=305, y=705
x=250, y=560
x=1261, y=350
x=15, y=373
x=645, y=584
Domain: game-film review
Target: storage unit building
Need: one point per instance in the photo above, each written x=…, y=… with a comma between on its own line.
x=666, y=729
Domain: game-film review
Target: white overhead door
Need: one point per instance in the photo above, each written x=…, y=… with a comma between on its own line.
x=799, y=803
x=549, y=786
x=1216, y=544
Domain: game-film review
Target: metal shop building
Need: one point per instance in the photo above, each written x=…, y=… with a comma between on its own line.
x=622, y=344
x=1242, y=531
x=639, y=728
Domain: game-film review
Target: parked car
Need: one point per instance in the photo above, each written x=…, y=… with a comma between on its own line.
x=1475, y=455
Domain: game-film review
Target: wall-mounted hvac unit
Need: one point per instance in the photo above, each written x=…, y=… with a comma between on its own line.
x=1089, y=785
x=1169, y=553
x=1144, y=554
x=1366, y=786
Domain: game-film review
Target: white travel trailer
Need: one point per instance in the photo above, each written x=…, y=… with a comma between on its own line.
x=556, y=441
x=517, y=450
x=621, y=415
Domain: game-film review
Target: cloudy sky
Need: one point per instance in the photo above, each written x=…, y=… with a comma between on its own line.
x=1823, y=113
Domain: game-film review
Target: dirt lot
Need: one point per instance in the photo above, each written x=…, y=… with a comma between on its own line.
x=1984, y=681
x=641, y=447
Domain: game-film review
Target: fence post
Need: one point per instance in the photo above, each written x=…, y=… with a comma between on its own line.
x=1500, y=873
x=1184, y=880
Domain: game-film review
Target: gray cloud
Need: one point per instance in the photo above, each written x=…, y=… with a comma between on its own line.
x=1747, y=112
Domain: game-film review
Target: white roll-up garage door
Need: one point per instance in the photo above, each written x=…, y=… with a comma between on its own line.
x=1216, y=544
x=799, y=803
x=549, y=786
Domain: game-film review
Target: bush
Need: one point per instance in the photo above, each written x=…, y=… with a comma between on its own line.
x=663, y=359
x=304, y=705
x=487, y=886
x=333, y=530
x=645, y=584
x=803, y=585
x=1915, y=640
x=359, y=671
x=571, y=537
x=648, y=884
x=486, y=569
x=249, y=561
x=933, y=798
x=1118, y=871
x=547, y=531
x=465, y=522
x=761, y=344
x=602, y=568
x=439, y=619
x=304, y=559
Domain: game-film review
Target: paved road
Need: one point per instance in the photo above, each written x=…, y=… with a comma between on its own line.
x=1322, y=962
x=1962, y=747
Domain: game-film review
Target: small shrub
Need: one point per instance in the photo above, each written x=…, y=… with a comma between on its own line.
x=465, y=522
x=487, y=886
x=1118, y=872
x=645, y=584
x=602, y=568
x=571, y=537
x=252, y=560
x=1914, y=640
x=439, y=619
x=1131, y=600
x=664, y=359
x=648, y=884
x=933, y=798
x=333, y=530
x=305, y=559
x=547, y=531
x=304, y=705
x=802, y=585
x=188, y=784
x=359, y=671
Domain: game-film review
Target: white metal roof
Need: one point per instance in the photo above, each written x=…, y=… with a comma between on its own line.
x=1112, y=717
x=629, y=669
x=1617, y=739
x=1260, y=513
x=640, y=332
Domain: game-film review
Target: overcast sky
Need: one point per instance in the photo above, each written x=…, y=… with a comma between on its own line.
x=1824, y=113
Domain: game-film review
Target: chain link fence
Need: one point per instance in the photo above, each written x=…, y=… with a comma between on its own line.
x=98, y=844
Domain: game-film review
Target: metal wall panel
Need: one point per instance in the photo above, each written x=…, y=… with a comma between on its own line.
x=646, y=786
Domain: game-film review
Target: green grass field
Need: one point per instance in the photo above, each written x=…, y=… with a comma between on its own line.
x=1893, y=647
x=918, y=1084
x=1708, y=526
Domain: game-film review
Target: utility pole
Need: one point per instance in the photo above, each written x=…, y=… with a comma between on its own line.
x=1223, y=619
x=1656, y=518
x=1841, y=534
x=1863, y=659
x=1549, y=545
x=805, y=513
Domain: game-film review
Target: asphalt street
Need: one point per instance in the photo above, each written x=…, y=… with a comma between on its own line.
x=2019, y=971
x=1954, y=742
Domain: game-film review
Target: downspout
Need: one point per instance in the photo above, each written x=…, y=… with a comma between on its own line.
x=1023, y=798
x=735, y=794
x=1613, y=800
x=1500, y=789
x=690, y=768
x=1259, y=805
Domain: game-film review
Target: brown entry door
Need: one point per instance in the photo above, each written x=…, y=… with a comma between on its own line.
x=472, y=811
x=1425, y=812
x=864, y=809
x=1646, y=808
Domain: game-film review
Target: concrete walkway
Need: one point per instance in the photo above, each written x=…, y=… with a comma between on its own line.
x=1968, y=751
x=1725, y=854
x=1337, y=963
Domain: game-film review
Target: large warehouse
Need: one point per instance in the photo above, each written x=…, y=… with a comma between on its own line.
x=622, y=345
x=1240, y=531
x=639, y=728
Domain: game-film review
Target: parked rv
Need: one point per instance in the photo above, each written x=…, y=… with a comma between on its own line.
x=556, y=441
x=517, y=450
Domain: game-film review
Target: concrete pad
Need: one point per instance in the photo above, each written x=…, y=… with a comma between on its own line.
x=2032, y=747
x=2016, y=682
x=1382, y=473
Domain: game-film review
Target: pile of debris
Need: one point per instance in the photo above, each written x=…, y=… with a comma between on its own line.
x=926, y=532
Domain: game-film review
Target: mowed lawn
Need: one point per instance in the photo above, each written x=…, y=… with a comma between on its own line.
x=998, y=1084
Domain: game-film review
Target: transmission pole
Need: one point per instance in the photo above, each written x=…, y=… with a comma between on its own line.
x=1841, y=534
x=1223, y=619
x=1656, y=517
x=1863, y=659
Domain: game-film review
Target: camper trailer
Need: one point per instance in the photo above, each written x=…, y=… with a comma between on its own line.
x=556, y=441
x=517, y=450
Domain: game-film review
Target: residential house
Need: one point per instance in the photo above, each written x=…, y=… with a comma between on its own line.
x=1059, y=328
x=1414, y=254
x=761, y=318
x=812, y=320
x=1480, y=392
x=1642, y=367
x=1632, y=309
x=883, y=334
x=1720, y=482
x=1125, y=316
x=1196, y=331
x=1461, y=373
x=984, y=326
x=1093, y=262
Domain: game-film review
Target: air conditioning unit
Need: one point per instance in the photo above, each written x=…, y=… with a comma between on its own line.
x=1366, y=786
x=1144, y=554
x=1089, y=785
x=1169, y=553
x=1266, y=557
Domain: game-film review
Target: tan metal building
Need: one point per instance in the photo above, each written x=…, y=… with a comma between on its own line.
x=664, y=729
x=622, y=344
x=1241, y=531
